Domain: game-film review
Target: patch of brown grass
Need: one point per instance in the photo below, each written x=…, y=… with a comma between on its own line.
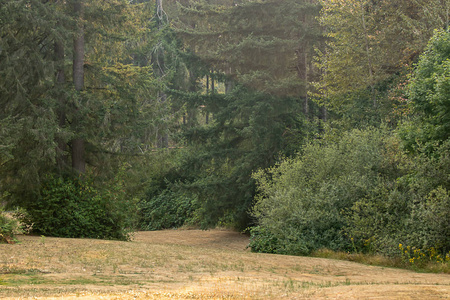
x=190, y=264
x=383, y=261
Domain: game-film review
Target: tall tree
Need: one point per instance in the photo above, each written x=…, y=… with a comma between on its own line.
x=369, y=42
x=261, y=44
x=260, y=53
x=249, y=130
x=28, y=128
x=78, y=148
x=159, y=65
x=103, y=110
x=428, y=92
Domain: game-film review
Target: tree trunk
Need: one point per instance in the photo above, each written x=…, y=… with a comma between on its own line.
x=302, y=73
x=207, y=92
x=162, y=137
x=213, y=89
x=305, y=78
x=61, y=157
x=78, y=153
x=78, y=160
x=369, y=58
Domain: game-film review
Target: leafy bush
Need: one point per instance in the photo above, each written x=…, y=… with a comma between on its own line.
x=261, y=240
x=75, y=208
x=357, y=193
x=379, y=222
x=9, y=227
x=171, y=208
x=428, y=93
x=303, y=200
x=431, y=221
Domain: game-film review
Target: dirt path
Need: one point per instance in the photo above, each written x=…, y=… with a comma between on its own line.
x=194, y=264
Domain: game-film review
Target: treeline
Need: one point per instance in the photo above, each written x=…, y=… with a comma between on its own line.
x=316, y=124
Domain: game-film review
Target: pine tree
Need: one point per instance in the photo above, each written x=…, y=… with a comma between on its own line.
x=101, y=111
x=77, y=144
x=249, y=63
x=28, y=30
x=261, y=44
x=369, y=43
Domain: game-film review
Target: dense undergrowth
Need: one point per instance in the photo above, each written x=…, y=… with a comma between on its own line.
x=427, y=264
x=360, y=193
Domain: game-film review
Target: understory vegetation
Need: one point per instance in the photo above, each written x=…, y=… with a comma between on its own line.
x=314, y=125
x=360, y=193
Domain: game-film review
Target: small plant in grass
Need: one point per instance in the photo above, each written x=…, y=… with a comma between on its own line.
x=419, y=257
x=9, y=227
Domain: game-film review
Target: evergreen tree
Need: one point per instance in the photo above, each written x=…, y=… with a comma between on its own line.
x=102, y=110
x=77, y=144
x=261, y=44
x=369, y=44
x=248, y=66
x=249, y=131
x=28, y=30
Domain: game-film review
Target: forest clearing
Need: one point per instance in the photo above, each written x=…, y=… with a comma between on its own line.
x=306, y=124
x=194, y=264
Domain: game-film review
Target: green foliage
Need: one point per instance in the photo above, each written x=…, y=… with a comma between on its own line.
x=355, y=192
x=428, y=93
x=76, y=208
x=28, y=121
x=419, y=258
x=9, y=227
x=369, y=44
x=302, y=200
x=117, y=110
x=377, y=223
x=429, y=186
x=411, y=209
x=262, y=45
x=163, y=202
x=261, y=240
x=430, y=221
x=250, y=130
x=358, y=191
x=171, y=208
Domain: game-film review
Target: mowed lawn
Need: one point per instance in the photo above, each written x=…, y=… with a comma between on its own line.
x=194, y=264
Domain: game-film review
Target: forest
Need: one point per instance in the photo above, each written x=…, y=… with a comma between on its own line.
x=309, y=124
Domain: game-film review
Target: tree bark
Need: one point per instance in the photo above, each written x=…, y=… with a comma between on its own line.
x=369, y=58
x=78, y=152
x=207, y=92
x=61, y=157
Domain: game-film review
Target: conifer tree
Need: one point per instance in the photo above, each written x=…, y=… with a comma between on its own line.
x=253, y=59
x=28, y=127
x=77, y=144
x=101, y=110
x=261, y=44
x=369, y=43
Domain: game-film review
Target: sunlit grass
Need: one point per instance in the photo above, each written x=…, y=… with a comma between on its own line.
x=199, y=267
x=384, y=261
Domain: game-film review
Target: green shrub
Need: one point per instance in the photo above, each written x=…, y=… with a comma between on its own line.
x=75, y=208
x=262, y=240
x=431, y=222
x=378, y=222
x=9, y=227
x=171, y=208
x=303, y=200
x=428, y=91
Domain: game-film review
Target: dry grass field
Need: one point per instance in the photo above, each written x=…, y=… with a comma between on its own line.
x=194, y=264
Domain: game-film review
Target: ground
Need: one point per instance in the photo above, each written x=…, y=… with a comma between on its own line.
x=194, y=264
